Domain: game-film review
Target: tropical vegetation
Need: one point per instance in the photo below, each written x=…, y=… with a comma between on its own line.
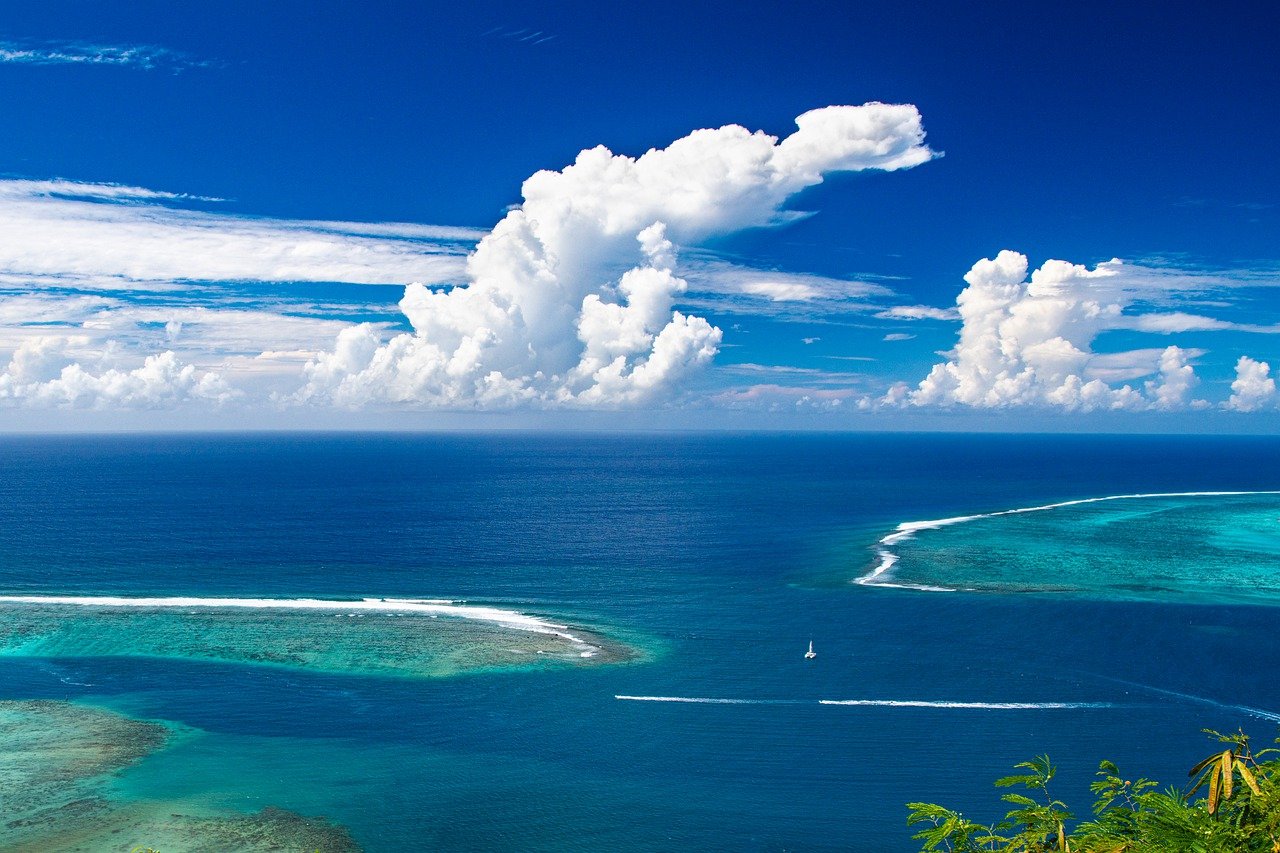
x=1230, y=804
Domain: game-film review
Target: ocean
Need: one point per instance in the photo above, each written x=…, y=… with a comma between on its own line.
x=699, y=565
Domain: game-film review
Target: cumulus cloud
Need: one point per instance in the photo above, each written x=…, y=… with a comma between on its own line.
x=576, y=298
x=118, y=237
x=569, y=299
x=1177, y=379
x=1253, y=388
x=92, y=351
x=1030, y=342
x=42, y=372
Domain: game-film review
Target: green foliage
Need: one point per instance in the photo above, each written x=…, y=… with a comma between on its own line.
x=1231, y=805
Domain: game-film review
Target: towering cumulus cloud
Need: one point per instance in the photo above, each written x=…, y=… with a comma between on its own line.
x=1253, y=388
x=1030, y=342
x=568, y=300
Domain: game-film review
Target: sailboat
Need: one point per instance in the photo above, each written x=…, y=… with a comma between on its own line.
x=811, y=654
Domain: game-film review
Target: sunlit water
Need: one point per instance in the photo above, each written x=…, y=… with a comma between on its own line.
x=713, y=559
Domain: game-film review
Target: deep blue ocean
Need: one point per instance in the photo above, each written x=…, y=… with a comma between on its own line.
x=721, y=556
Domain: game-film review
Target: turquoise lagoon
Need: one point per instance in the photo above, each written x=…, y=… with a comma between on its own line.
x=694, y=570
x=1199, y=547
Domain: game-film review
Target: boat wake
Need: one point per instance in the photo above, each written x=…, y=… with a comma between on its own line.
x=701, y=700
x=881, y=574
x=982, y=706
x=1199, y=700
x=878, y=703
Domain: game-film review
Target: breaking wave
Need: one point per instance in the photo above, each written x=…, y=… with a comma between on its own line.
x=880, y=574
x=421, y=606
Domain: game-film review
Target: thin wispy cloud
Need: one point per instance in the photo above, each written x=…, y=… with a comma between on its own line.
x=809, y=375
x=116, y=237
x=918, y=312
x=520, y=35
x=141, y=56
x=773, y=397
x=720, y=285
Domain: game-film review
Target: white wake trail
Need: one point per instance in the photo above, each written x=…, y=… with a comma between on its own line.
x=701, y=700
x=984, y=706
x=1199, y=700
x=908, y=529
x=881, y=703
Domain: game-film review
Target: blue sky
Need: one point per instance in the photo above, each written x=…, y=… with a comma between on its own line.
x=210, y=214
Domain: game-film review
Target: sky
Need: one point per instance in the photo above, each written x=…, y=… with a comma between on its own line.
x=881, y=215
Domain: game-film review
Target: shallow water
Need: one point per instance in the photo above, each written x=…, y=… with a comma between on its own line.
x=717, y=557
x=390, y=637
x=1195, y=547
x=56, y=777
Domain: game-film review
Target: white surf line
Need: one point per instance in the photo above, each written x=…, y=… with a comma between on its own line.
x=881, y=703
x=425, y=606
x=908, y=529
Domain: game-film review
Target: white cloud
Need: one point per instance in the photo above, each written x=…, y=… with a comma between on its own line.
x=569, y=299
x=142, y=56
x=1030, y=342
x=1253, y=388
x=777, y=398
x=213, y=332
x=1175, y=322
x=1130, y=364
x=723, y=286
x=41, y=374
x=106, y=341
x=898, y=336
x=117, y=237
x=1179, y=321
x=809, y=375
x=918, y=312
x=781, y=291
x=1177, y=379
x=198, y=332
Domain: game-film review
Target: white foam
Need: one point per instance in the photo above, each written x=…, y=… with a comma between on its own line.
x=908, y=529
x=985, y=706
x=433, y=607
x=700, y=700
x=883, y=703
